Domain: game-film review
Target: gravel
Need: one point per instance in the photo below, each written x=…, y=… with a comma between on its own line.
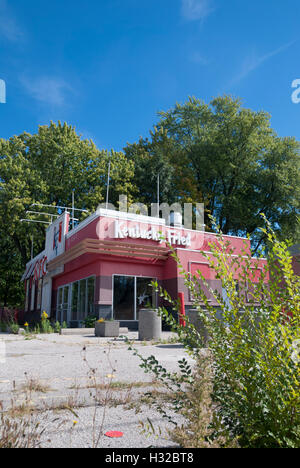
x=61, y=365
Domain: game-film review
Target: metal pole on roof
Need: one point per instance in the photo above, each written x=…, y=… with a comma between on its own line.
x=34, y=221
x=61, y=207
x=41, y=213
x=158, y=183
x=73, y=205
x=108, y=180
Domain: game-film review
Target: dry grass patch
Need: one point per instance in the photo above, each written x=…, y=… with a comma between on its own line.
x=71, y=403
x=20, y=410
x=118, y=385
x=123, y=385
x=23, y=433
x=35, y=385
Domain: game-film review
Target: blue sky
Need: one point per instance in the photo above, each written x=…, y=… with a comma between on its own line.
x=108, y=66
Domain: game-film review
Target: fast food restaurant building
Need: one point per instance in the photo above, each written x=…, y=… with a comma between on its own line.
x=104, y=266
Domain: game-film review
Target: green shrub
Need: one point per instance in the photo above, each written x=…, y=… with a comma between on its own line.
x=254, y=344
x=13, y=327
x=89, y=322
x=57, y=327
x=45, y=326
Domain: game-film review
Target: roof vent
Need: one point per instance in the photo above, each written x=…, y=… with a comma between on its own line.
x=175, y=219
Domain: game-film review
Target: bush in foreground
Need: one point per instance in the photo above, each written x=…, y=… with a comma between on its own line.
x=249, y=389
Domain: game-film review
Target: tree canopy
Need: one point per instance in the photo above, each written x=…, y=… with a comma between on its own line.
x=45, y=168
x=227, y=157
x=220, y=153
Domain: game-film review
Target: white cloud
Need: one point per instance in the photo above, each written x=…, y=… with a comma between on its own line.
x=193, y=10
x=253, y=61
x=198, y=58
x=47, y=90
x=9, y=29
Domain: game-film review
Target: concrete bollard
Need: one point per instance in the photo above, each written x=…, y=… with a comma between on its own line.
x=150, y=325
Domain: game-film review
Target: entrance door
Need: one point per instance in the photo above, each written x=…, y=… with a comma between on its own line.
x=124, y=292
x=131, y=294
x=145, y=296
x=63, y=304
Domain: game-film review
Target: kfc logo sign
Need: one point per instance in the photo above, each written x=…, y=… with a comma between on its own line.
x=40, y=269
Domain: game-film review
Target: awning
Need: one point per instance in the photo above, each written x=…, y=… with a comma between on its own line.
x=39, y=262
x=112, y=248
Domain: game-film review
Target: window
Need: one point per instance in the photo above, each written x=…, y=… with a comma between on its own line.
x=124, y=298
x=63, y=304
x=39, y=295
x=32, y=295
x=76, y=301
x=90, y=296
x=27, y=296
x=75, y=290
x=130, y=295
x=82, y=301
x=145, y=295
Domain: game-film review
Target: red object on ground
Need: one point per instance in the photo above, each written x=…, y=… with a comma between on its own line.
x=182, y=309
x=114, y=434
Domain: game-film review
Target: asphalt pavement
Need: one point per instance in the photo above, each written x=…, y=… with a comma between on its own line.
x=98, y=380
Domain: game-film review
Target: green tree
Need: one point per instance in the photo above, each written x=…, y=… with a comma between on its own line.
x=152, y=158
x=45, y=168
x=11, y=269
x=229, y=158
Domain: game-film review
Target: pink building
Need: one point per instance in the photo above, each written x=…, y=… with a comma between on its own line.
x=295, y=252
x=104, y=266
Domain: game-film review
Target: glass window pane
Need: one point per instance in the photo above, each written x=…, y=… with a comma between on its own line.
x=59, y=305
x=32, y=296
x=60, y=291
x=82, y=297
x=27, y=296
x=66, y=294
x=65, y=304
x=124, y=297
x=145, y=296
x=75, y=301
x=91, y=294
x=39, y=295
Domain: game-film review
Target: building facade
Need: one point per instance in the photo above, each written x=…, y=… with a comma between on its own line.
x=104, y=266
x=295, y=252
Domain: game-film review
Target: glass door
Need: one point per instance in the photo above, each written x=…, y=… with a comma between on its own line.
x=62, y=313
x=124, y=293
x=66, y=304
x=59, y=305
x=145, y=296
x=130, y=295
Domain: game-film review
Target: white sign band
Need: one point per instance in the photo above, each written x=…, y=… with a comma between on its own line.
x=135, y=232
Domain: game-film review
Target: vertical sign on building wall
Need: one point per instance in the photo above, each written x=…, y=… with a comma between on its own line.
x=55, y=246
x=55, y=236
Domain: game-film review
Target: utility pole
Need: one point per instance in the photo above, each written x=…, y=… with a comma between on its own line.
x=158, y=188
x=108, y=180
x=73, y=205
